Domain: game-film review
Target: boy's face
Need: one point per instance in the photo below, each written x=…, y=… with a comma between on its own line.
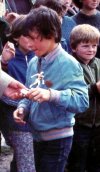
x=90, y=4
x=40, y=45
x=24, y=44
x=85, y=51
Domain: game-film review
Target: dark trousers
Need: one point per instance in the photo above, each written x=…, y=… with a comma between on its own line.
x=51, y=156
x=85, y=152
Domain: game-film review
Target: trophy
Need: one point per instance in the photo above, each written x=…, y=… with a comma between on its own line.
x=39, y=80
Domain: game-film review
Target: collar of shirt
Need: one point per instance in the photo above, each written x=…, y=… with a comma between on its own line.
x=53, y=54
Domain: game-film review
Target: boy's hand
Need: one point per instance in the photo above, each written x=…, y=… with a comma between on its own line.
x=10, y=16
x=38, y=94
x=19, y=115
x=8, y=52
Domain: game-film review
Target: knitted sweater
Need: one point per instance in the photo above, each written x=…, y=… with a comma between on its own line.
x=93, y=20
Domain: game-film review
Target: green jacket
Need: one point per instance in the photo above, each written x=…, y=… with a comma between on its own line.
x=92, y=75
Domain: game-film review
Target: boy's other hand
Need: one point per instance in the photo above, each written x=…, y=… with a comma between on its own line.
x=19, y=116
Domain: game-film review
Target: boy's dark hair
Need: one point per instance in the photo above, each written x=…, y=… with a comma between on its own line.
x=84, y=33
x=17, y=28
x=78, y=3
x=45, y=21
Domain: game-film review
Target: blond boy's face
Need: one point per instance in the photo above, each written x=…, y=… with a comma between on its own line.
x=85, y=51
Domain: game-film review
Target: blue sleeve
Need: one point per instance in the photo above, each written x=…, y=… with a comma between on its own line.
x=75, y=98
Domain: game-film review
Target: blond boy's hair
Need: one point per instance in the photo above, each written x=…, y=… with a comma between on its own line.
x=84, y=33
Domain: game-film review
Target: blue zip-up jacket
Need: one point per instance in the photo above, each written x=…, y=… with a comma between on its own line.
x=69, y=92
x=17, y=68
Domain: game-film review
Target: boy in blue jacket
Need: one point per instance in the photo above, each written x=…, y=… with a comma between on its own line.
x=58, y=91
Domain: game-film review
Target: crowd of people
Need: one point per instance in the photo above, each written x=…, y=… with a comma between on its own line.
x=50, y=84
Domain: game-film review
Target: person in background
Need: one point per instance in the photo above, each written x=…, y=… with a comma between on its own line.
x=9, y=87
x=58, y=91
x=10, y=17
x=20, y=7
x=85, y=150
x=6, y=20
x=9, y=10
x=67, y=22
x=18, y=136
x=4, y=28
x=70, y=8
x=88, y=14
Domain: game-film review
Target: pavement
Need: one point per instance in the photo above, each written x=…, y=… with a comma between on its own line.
x=5, y=157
